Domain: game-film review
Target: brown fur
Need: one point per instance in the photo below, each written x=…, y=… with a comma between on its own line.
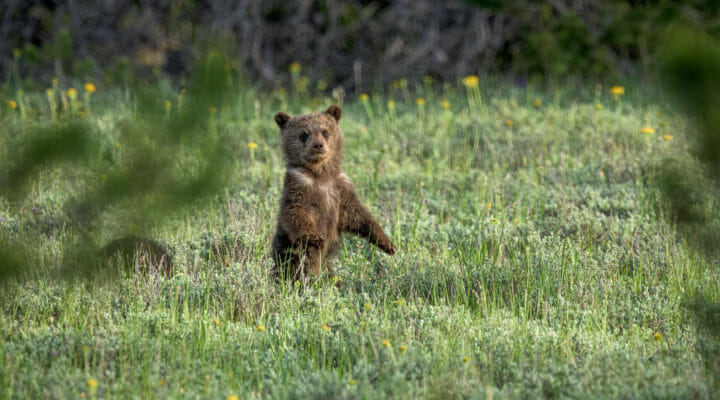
x=319, y=202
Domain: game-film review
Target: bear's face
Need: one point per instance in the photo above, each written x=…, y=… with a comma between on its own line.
x=311, y=140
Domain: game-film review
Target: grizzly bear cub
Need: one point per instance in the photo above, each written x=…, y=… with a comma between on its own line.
x=318, y=201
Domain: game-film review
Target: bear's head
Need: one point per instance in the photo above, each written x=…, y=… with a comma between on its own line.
x=312, y=141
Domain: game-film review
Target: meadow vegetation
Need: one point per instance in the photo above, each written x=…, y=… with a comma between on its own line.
x=535, y=255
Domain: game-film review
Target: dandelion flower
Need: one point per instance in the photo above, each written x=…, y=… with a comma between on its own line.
x=488, y=205
x=90, y=87
x=260, y=328
x=399, y=302
x=72, y=93
x=85, y=349
x=657, y=336
x=207, y=377
x=325, y=328
x=55, y=81
x=217, y=321
x=252, y=145
x=537, y=102
x=470, y=81
x=466, y=359
x=50, y=92
x=168, y=106
x=352, y=382
x=12, y=104
x=598, y=106
x=667, y=137
x=233, y=397
x=445, y=104
x=648, y=130
x=92, y=383
x=385, y=343
x=402, y=348
x=391, y=105
x=295, y=67
x=617, y=90
x=508, y=122
x=364, y=97
x=420, y=101
x=367, y=306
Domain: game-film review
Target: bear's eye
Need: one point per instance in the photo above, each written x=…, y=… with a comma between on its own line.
x=304, y=136
x=325, y=133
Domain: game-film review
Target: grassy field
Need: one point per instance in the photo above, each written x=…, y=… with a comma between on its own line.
x=535, y=260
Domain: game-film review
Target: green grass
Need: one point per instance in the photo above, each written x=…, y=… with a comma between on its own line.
x=535, y=260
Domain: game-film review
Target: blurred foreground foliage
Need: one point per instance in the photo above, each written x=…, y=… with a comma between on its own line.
x=690, y=68
x=163, y=159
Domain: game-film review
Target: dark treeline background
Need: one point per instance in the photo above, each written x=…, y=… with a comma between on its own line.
x=343, y=42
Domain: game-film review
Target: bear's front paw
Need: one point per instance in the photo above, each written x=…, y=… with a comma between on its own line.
x=389, y=248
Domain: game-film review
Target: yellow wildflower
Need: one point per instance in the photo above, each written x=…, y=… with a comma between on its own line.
x=260, y=328
x=508, y=122
x=252, y=145
x=168, y=106
x=385, y=343
x=233, y=397
x=470, y=81
x=326, y=328
x=445, y=104
x=212, y=110
x=90, y=88
x=466, y=359
x=12, y=104
x=420, y=101
x=294, y=67
x=364, y=97
x=402, y=348
x=617, y=90
x=50, y=92
x=648, y=130
x=321, y=85
x=72, y=93
x=488, y=205
x=92, y=383
x=390, y=105
x=400, y=83
x=657, y=336
x=668, y=137
x=598, y=106
x=217, y=321
x=537, y=102
x=367, y=306
x=352, y=382
x=55, y=81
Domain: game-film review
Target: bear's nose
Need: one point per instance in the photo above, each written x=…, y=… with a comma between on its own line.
x=318, y=145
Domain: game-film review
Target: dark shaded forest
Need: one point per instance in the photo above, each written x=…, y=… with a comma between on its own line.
x=351, y=43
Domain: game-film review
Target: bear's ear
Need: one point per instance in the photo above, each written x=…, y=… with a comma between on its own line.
x=282, y=119
x=335, y=111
